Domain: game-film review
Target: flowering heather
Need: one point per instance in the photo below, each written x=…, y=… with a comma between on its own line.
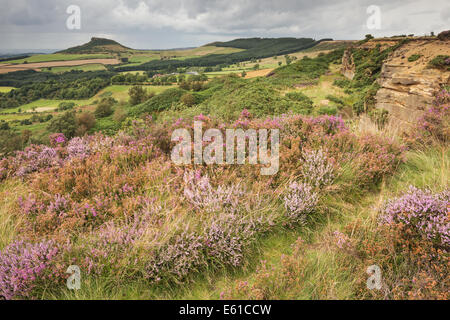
x=22, y=265
x=342, y=241
x=202, y=195
x=435, y=122
x=228, y=237
x=34, y=158
x=57, y=139
x=78, y=147
x=423, y=211
x=178, y=258
x=300, y=201
x=316, y=169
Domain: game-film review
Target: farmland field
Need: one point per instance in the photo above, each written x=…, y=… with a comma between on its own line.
x=6, y=89
x=85, y=67
x=57, y=57
x=5, y=68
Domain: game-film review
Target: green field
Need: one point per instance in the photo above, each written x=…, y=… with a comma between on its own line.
x=118, y=92
x=6, y=89
x=58, y=57
x=85, y=67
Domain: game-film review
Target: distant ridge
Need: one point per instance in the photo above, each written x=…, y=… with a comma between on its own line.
x=97, y=45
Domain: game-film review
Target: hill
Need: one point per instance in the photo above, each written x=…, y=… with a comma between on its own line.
x=254, y=48
x=97, y=45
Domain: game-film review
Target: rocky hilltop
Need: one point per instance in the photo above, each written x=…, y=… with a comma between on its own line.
x=408, y=81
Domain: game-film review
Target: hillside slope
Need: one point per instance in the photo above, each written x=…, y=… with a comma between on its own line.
x=97, y=45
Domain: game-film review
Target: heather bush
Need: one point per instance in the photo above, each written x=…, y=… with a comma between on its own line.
x=423, y=213
x=176, y=259
x=23, y=265
x=201, y=195
x=434, y=124
x=316, y=170
x=300, y=201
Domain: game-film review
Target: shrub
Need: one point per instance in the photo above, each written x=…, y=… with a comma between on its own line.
x=341, y=83
x=329, y=110
x=300, y=201
x=64, y=106
x=137, y=95
x=104, y=108
x=379, y=116
x=23, y=265
x=316, y=170
x=187, y=99
x=414, y=57
x=85, y=122
x=65, y=123
x=424, y=213
x=440, y=62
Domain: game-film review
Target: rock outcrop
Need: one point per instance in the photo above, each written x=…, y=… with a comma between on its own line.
x=348, y=65
x=408, y=87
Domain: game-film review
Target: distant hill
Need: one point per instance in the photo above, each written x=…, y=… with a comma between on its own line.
x=97, y=45
x=254, y=48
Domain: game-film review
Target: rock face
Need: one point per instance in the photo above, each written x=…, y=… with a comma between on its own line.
x=408, y=88
x=348, y=65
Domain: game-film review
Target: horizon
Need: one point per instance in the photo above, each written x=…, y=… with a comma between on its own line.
x=156, y=25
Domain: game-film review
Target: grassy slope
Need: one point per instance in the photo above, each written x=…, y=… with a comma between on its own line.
x=86, y=67
x=6, y=89
x=58, y=57
x=324, y=276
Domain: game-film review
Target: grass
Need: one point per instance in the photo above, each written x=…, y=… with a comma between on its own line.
x=9, y=193
x=85, y=67
x=58, y=57
x=6, y=89
x=120, y=92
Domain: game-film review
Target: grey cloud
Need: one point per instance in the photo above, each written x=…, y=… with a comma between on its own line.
x=162, y=23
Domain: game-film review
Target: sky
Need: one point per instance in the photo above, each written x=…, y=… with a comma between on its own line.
x=162, y=24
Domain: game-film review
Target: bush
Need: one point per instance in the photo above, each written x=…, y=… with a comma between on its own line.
x=440, y=62
x=341, y=83
x=65, y=123
x=414, y=57
x=137, y=95
x=329, y=110
x=85, y=122
x=64, y=106
x=104, y=108
x=379, y=116
x=187, y=99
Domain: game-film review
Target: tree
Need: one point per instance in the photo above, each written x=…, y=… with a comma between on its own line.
x=137, y=95
x=188, y=99
x=65, y=123
x=104, y=108
x=184, y=85
x=197, y=86
x=85, y=122
x=243, y=74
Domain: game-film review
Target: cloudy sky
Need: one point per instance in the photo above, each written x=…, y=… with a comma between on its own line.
x=152, y=24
